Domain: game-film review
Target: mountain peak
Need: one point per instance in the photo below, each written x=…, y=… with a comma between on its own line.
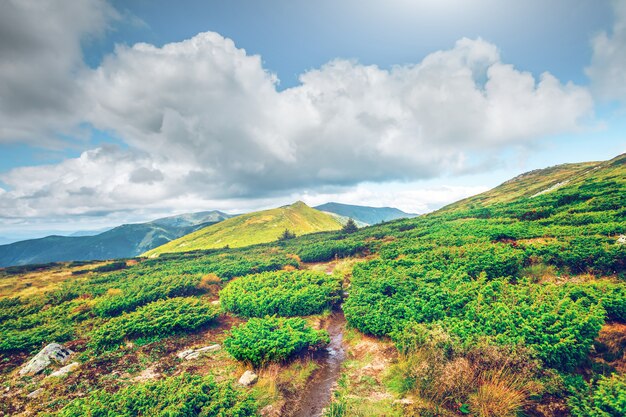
x=299, y=204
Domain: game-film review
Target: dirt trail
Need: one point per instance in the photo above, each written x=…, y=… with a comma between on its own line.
x=317, y=393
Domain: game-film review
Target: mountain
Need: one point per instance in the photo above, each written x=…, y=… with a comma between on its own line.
x=251, y=228
x=88, y=232
x=124, y=241
x=365, y=214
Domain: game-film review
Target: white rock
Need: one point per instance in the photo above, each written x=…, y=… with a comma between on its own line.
x=404, y=401
x=621, y=239
x=65, y=370
x=211, y=348
x=248, y=378
x=35, y=393
x=54, y=352
x=184, y=353
x=191, y=354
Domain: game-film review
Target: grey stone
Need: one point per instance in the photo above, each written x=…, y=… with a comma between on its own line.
x=35, y=393
x=183, y=354
x=211, y=348
x=65, y=370
x=248, y=378
x=54, y=352
x=191, y=354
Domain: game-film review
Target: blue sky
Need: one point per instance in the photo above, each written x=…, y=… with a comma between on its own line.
x=80, y=150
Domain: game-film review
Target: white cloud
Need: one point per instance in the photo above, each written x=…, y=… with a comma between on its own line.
x=608, y=65
x=206, y=127
x=208, y=106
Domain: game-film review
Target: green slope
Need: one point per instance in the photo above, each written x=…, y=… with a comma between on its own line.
x=540, y=181
x=252, y=228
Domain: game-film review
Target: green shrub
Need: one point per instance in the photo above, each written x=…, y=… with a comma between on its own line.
x=607, y=398
x=113, y=266
x=158, y=319
x=295, y=293
x=32, y=326
x=272, y=339
x=327, y=250
x=144, y=290
x=180, y=396
x=387, y=297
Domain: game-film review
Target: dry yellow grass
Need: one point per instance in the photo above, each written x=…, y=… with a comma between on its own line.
x=500, y=394
x=38, y=282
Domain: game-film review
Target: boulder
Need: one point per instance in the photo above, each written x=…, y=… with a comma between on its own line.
x=191, y=354
x=54, y=352
x=248, y=378
x=65, y=370
x=621, y=240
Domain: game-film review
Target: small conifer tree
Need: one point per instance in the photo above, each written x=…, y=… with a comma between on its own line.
x=349, y=227
x=286, y=235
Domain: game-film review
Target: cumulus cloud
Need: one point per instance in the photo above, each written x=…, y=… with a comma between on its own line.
x=208, y=105
x=204, y=122
x=40, y=58
x=608, y=65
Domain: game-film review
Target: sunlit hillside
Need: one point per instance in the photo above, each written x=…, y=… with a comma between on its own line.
x=252, y=228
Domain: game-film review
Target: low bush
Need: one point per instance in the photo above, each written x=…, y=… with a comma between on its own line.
x=113, y=266
x=272, y=339
x=158, y=319
x=144, y=290
x=604, y=399
x=327, y=250
x=181, y=396
x=283, y=293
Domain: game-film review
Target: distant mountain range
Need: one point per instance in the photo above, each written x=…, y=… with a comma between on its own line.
x=124, y=241
x=365, y=214
x=252, y=228
x=192, y=231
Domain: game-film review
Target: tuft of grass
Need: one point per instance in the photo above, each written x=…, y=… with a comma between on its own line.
x=500, y=394
x=539, y=273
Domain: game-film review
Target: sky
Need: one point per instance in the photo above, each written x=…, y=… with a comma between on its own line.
x=124, y=111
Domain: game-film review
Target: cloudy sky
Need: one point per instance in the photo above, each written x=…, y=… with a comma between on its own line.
x=123, y=111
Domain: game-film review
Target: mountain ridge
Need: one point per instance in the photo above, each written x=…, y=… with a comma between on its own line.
x=124, y=241
x=365, y=214
x=252, y=228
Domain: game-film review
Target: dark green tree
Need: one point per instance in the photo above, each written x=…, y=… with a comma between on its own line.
x=349, y=227
x=286, y=235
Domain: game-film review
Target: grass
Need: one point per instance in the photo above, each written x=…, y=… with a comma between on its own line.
x=528, y=185
x=252, y=228
x=39, y=282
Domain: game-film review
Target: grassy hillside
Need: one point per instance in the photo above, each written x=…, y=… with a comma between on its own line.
x=124, y=241
x=501, y=307
x=252, y=228
x=530, y=184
